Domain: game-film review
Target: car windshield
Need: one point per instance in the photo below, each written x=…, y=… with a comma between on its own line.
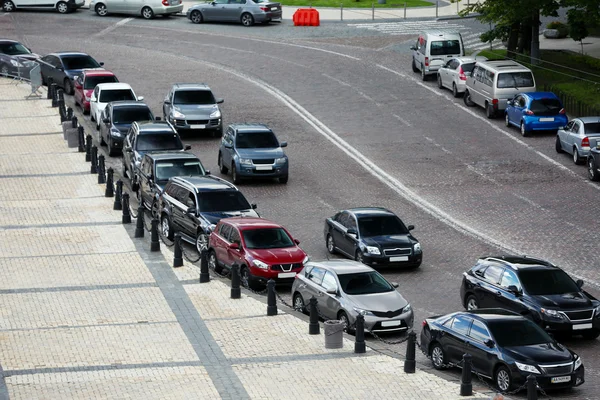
x=445, y=47
x=193, y=97
x=223, y=201
x=168, y=169
x=545, y=106
x=154, y=142
x=592, y=127
x=106, y=96
x=79, y=62
x=468, y=67
x=364, y=283
x=547, y=281
x=515, y=80
x=381, y=225
x=92, y=81
x=122, y=115
x=13, y=49
x=521, y=332
x=267, y=238
x=256, y=140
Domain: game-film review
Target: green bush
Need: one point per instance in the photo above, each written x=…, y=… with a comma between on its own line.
x=563, y=29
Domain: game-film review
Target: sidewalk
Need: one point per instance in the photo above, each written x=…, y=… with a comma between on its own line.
x=89, y=312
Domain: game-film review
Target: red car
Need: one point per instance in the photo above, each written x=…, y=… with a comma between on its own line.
x=85, y=84
x=263, y=249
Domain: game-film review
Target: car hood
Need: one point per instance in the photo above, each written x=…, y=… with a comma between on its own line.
x=123, y=128
x=276, y=152
x=287, y=255
x=389, y=241
x=214, y=217
x=196, y=110
x=27, y=57
x=71, y=73
x=388, y=301
x=547, y=353
x=567, y=301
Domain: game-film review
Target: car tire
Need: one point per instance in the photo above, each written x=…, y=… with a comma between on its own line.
x=196, y=17
x=359, y=257
x=577, y=160
x=68, y=86
x=234, y=176
x=471, y=303
x=524, y=132
x=414, y=66
x=284, y=179
x=153, y=207
x=213, y=262
x=222, y=168
x=8, y=6
x=455, y=90
x=101, y=10
x=247, y=19
x=330, y=244
x=439, y=81
x=467, y=99
x=299, y=304
x=503, y=379
x=201, y=241
x=246, y=278
x=438, y=356
x=423, y=75
x=489, y=111
x=62, y=7
x=111, y=151
x=557, y=145
x=590, y=334
x=147, y=13
x=166, y=228
x=592, y=173
x=343, y=318
x=506, y=120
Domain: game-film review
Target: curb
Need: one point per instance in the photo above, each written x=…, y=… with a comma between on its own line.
x=453, y=17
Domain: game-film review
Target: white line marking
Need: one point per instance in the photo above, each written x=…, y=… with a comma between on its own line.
x=113, y=27
x=337, y=80
x=399, y=118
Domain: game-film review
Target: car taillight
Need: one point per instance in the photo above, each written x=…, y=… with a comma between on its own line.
x=461, y=75
x=528, y=111
x=585, y=142
x=165, y=2
x=562, y=111
x=427, y=61
x=265, y=8
x=424, y=324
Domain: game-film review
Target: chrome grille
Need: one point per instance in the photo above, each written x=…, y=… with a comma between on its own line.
x=559, y=369
x=398, y=252
x=579, y=315
x=285, y=267
x=197, y=121
x=387, y=314
x=265, y=161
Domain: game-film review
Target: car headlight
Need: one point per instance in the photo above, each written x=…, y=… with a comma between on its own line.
x=306, y=259
x=373, y=250
x=212, y=227
x=245, y=161
x=597, y=312
x=15, y=63
x=578, y=362
x=361, y=311
x=216, y=114
x=177, y=114
x=280, y=161
x=115, y=133
x=260, y=264
x=87, y=98
x=527, y=368
x=417, y=248
x=406, y=308
x=551, y=313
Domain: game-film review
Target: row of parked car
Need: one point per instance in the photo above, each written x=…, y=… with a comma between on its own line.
x=506, y=88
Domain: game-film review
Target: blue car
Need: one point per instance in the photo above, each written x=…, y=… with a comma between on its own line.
x=535, y=111
x=252, y=151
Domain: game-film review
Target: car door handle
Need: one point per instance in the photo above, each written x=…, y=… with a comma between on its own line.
x=498, y=293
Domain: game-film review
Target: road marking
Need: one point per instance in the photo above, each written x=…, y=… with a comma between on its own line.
x=337, y=80
x=399, y=118
x=112, y=27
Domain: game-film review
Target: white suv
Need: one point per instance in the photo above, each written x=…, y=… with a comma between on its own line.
x=62, y=6
x=104, y=93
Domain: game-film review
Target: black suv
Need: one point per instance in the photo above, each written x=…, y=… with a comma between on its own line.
x=534, y=288
x=116, y=120
x=194, y=205
x=156, y=169
x=593, y=163
x=144, y=137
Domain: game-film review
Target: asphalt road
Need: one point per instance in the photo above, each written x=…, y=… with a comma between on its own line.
x=362, y=130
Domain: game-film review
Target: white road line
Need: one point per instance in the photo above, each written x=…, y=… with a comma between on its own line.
x=112, y=27
x=399, y=118
x=337, y=80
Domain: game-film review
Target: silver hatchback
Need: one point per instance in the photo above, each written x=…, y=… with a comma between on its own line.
x=578, y=137
x=453, y=75
x=344, y=289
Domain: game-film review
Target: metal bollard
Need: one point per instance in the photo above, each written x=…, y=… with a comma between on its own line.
x=204, y=276
x=110, y=189
x=532, y=393
x=118, y=205
x=80, y=139
x=73, y=119
x=373, y=11
x=177, y=253
x=236, y=292
x=49, y=94
x=410, y=363
x=154, y=240
x=404, y=10
x=313, y=324
x=341, y=11
x=94, y=167
x=139, y=223
x=271, y=300
x=101, y=170
x=437, y=4
x=54, y=95
x=457, y=10
x=88, y=148
x=359, y=338
x=126, y=214
x=466, y=387
x=70, y=115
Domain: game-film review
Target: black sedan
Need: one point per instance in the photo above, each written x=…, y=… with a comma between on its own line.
x=64, y=66
x=16, y=60
x=374, y=236
x=593, y=163
x=116, y=120
x=504, y=346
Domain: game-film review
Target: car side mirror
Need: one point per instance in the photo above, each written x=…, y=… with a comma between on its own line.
x=158, y=119
x=212, y=3
x=61, y=69
x=187, y=147
x=234, y=246
x=191, y=211
x=140, y=98
x=207, y=172
x=394, y=284
x=220, y=101
x=351, y=231
x=167, y=101
x=332, y=291
x=513, y=289
x=283, y=144
x=413, y=47
x=410, y=227
x=296, y=241
x=101, y=64
x=489, y=343
x=253, y=206
x=106, y=120
x=579, y=283
x=227, y=145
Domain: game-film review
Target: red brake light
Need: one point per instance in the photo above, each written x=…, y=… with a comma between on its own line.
x=265, y=8
x=427, y=61
x=585, y=142
x=562, y=111
x=528, y=111
x=461, y=74
x=494, y=101
x=424, y=324
x=165, y=2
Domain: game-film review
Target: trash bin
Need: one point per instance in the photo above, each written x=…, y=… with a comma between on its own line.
x=334, y=334
x=72, y=137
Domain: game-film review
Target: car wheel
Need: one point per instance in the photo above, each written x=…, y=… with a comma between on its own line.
x=284, y=179
x=101, y=10
x=68, y=86
x=62, y=7
x=246, y=277
x=467, y=99
x=489, y=111
x=111, y=151
x=359, y=256
x=201, y=241
x=222, y=167
x=299, y=304
x=213, y=263
x=414, y=66
x=455, y=90
x=439, y=81
x=423, y=75
x=524, y=132
x=196, y=17
x=592, y=174
x=506, y=120
x=330, y=244
x=590, y=334
x=576, y=158
x=503, y=379
x=8, y=6
x=165, y=227
x=234, y=175
x=557, y=145
x=471, y=303
x=147, y=13
x=153, y=208
x=247, y=19
x=343, y=318
x=438, y=357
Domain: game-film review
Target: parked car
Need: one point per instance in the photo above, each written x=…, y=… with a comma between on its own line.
x=146, y=8
x=16, y=59
x=191, y=106
x=85, y=84
x=435, y=49
x=144, y=137
x=453, y=74
x=248, y=12
x=104, y=93
x=263, y=249
x=252, y=151
x=156, y=169
x=493, y=83
x=504, y=346
x=344, y=289
x=578, y=137
x=194, y=205
x=116, y=119
x=593, y=163
x=63, y=67
x=373, y=236
x=535, y=288
x=535, y=111
x=62, y=6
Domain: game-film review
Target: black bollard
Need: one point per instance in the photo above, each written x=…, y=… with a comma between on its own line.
x=236, y=292
x=466, y=387
x=60, y=94
x=70, y=115
x=531, y=388
x=94, y=167
x=204, y=276
x=271, y=300
x=110, y=190
x=139, y=224
x=73, y=119
x=178, y=254
x=80, y=139
x=313, y=324
x=118, y=205
x=359, y=338
x=410, y=363
x=126, y=213
x=49, y=94
x=54, y=94
x=154, y=239
x=101, y=170
x=88, y=148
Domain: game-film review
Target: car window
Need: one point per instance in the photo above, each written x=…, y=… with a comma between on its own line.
x=381, y=225
x=351, y=223
x=307, y=269
x=592, y=127
x=575, y=127
x=493, y=273
x=146, y=163
x=522, y=332
x=13, y=49
x=106, y=96
x=79, y=62
x=479, y=332
x=256, y=140
x=267, y=238
x=224, y=231
x=460, y=324
x=171, y=168
x=237, y=1
x=488, y=78
x=538, y=282
x=510, y=278
x=234, y=236
x=92, y=81
x=343, y=218
x=316, y=275
x=329, y=281
x=194, y=96
x=364, y=283
x=514, y=80
x=127, y=115
x=545, y=106
x=468, y=67
x=448, y=323
x=221, y=1
x=444, y=47
x=223, y=200
x=165, y=142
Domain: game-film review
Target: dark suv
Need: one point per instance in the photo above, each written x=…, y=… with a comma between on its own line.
x=116, y=120
x=534, y=288
x=593, y=162
x=194, y=205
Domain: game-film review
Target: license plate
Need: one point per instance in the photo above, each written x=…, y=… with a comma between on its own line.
x=546, y=119
x=286, y=275
x=582, y=326
x=391, y=323
x=401, y=258
x=560, y=379
x=274, y=8
x=198, y=126
x=264, y=167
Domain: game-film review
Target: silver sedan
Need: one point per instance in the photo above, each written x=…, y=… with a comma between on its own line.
x=344, y=289
x=248, y=12
x=453, y=75
x=578, y=137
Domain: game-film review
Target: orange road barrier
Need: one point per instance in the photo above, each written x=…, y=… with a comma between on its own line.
x=306, y=17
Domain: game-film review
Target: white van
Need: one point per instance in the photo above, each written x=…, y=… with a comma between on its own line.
x=62, y=6
x=434, y=49
x=493, y=83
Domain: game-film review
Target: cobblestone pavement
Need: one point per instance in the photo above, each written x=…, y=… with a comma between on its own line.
x=88, y=312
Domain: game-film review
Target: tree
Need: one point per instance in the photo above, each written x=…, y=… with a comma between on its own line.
x=577, y=25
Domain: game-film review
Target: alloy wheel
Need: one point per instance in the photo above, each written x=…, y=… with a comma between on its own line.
x=69, y=89
x=299, y=303
x=166, y=230
x=523, y=131
x=472, y=303
x=503, y=380
x=8, y=6
x=439, y=81
x=62, y=7
x=343, y=318
x=576, y=158
x=592, y=170
x=101, y=10
x=330, y=244
x=201, y=242
x=196, y=17
x=506, y=120
x=437, y=356
x=247, y=20
x=147, y=13
x=454, y=90
x=245, y=277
